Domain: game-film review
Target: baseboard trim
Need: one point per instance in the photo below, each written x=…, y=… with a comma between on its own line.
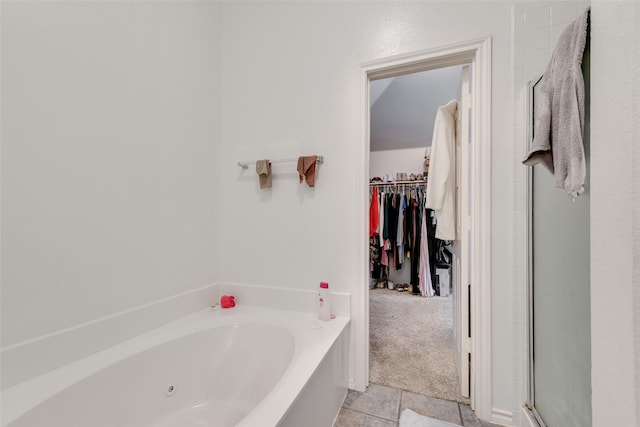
x=502, y=417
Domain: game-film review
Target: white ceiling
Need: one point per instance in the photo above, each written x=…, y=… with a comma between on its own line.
x=404, y=108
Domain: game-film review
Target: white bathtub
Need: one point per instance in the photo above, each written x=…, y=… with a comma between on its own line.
x=246, y=366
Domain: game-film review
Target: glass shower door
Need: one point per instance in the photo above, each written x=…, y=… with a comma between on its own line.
x=561, y=306
x=560, y=325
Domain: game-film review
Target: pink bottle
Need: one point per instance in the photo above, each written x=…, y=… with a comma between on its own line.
x=324, y=302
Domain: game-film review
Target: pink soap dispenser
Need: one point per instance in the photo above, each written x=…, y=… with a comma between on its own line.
x=324, y=302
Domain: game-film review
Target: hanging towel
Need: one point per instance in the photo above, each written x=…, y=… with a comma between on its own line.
x=263, y=169
x=307, y=169
x=442, y=171
x=558, y=135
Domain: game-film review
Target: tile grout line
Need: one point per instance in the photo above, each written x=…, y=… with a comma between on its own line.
x=399, y=406
x=422, y=394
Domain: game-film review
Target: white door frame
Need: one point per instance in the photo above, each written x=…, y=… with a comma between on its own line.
x=461, y=250
x=478, y=53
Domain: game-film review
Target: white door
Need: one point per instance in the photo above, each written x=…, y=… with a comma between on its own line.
x=462, y=246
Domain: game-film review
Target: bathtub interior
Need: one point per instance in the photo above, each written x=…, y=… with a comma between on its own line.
x=213, y=377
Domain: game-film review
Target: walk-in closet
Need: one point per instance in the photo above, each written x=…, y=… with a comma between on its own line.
x=416, y=172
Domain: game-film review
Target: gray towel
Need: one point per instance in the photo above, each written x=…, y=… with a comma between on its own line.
x=558, y=136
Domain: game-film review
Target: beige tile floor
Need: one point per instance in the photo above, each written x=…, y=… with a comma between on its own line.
x=381, y=406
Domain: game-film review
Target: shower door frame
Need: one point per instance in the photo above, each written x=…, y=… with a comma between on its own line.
x=530, y=115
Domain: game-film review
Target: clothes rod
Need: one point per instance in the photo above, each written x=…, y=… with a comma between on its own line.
x=245, y=165
x=378, y=183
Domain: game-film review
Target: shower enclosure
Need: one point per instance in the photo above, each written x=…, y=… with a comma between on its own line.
x=559, y=292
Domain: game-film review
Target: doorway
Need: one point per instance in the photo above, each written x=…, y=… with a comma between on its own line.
x=478, y=54
x=415, y=249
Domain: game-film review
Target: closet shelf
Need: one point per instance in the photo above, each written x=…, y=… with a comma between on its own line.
x=376, y=184
x=245, y=165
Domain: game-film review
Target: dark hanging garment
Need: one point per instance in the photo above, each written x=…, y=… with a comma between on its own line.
x=374, y=258
x=393, y=219
x=407, y=226
x=392, y=222
x=415, y=243
x=375, y=251
x=397, y=255
x=393, y=225
x=385, y=203
x=433, y=246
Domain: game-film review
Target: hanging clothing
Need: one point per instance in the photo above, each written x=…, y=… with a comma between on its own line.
x=402, y=232
x=425, y=285
x=442, y=174
x=399, y=232
x=416, y=217
x=374, y=214
x=408, y=219
x=392, y=216
x=385, y=206
x=381, y=224
x=432, y=244
x=385, y=253
x=374, y=258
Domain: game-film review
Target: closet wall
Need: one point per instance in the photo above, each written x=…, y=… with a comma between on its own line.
x=409, y=160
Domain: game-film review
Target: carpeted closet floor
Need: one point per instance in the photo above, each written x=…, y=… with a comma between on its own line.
x=411, y=344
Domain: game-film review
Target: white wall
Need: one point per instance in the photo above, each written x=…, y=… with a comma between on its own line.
x=636, y=205
x=110, y=140
x=409, y=160
x=615, y=237
x=290, y=87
